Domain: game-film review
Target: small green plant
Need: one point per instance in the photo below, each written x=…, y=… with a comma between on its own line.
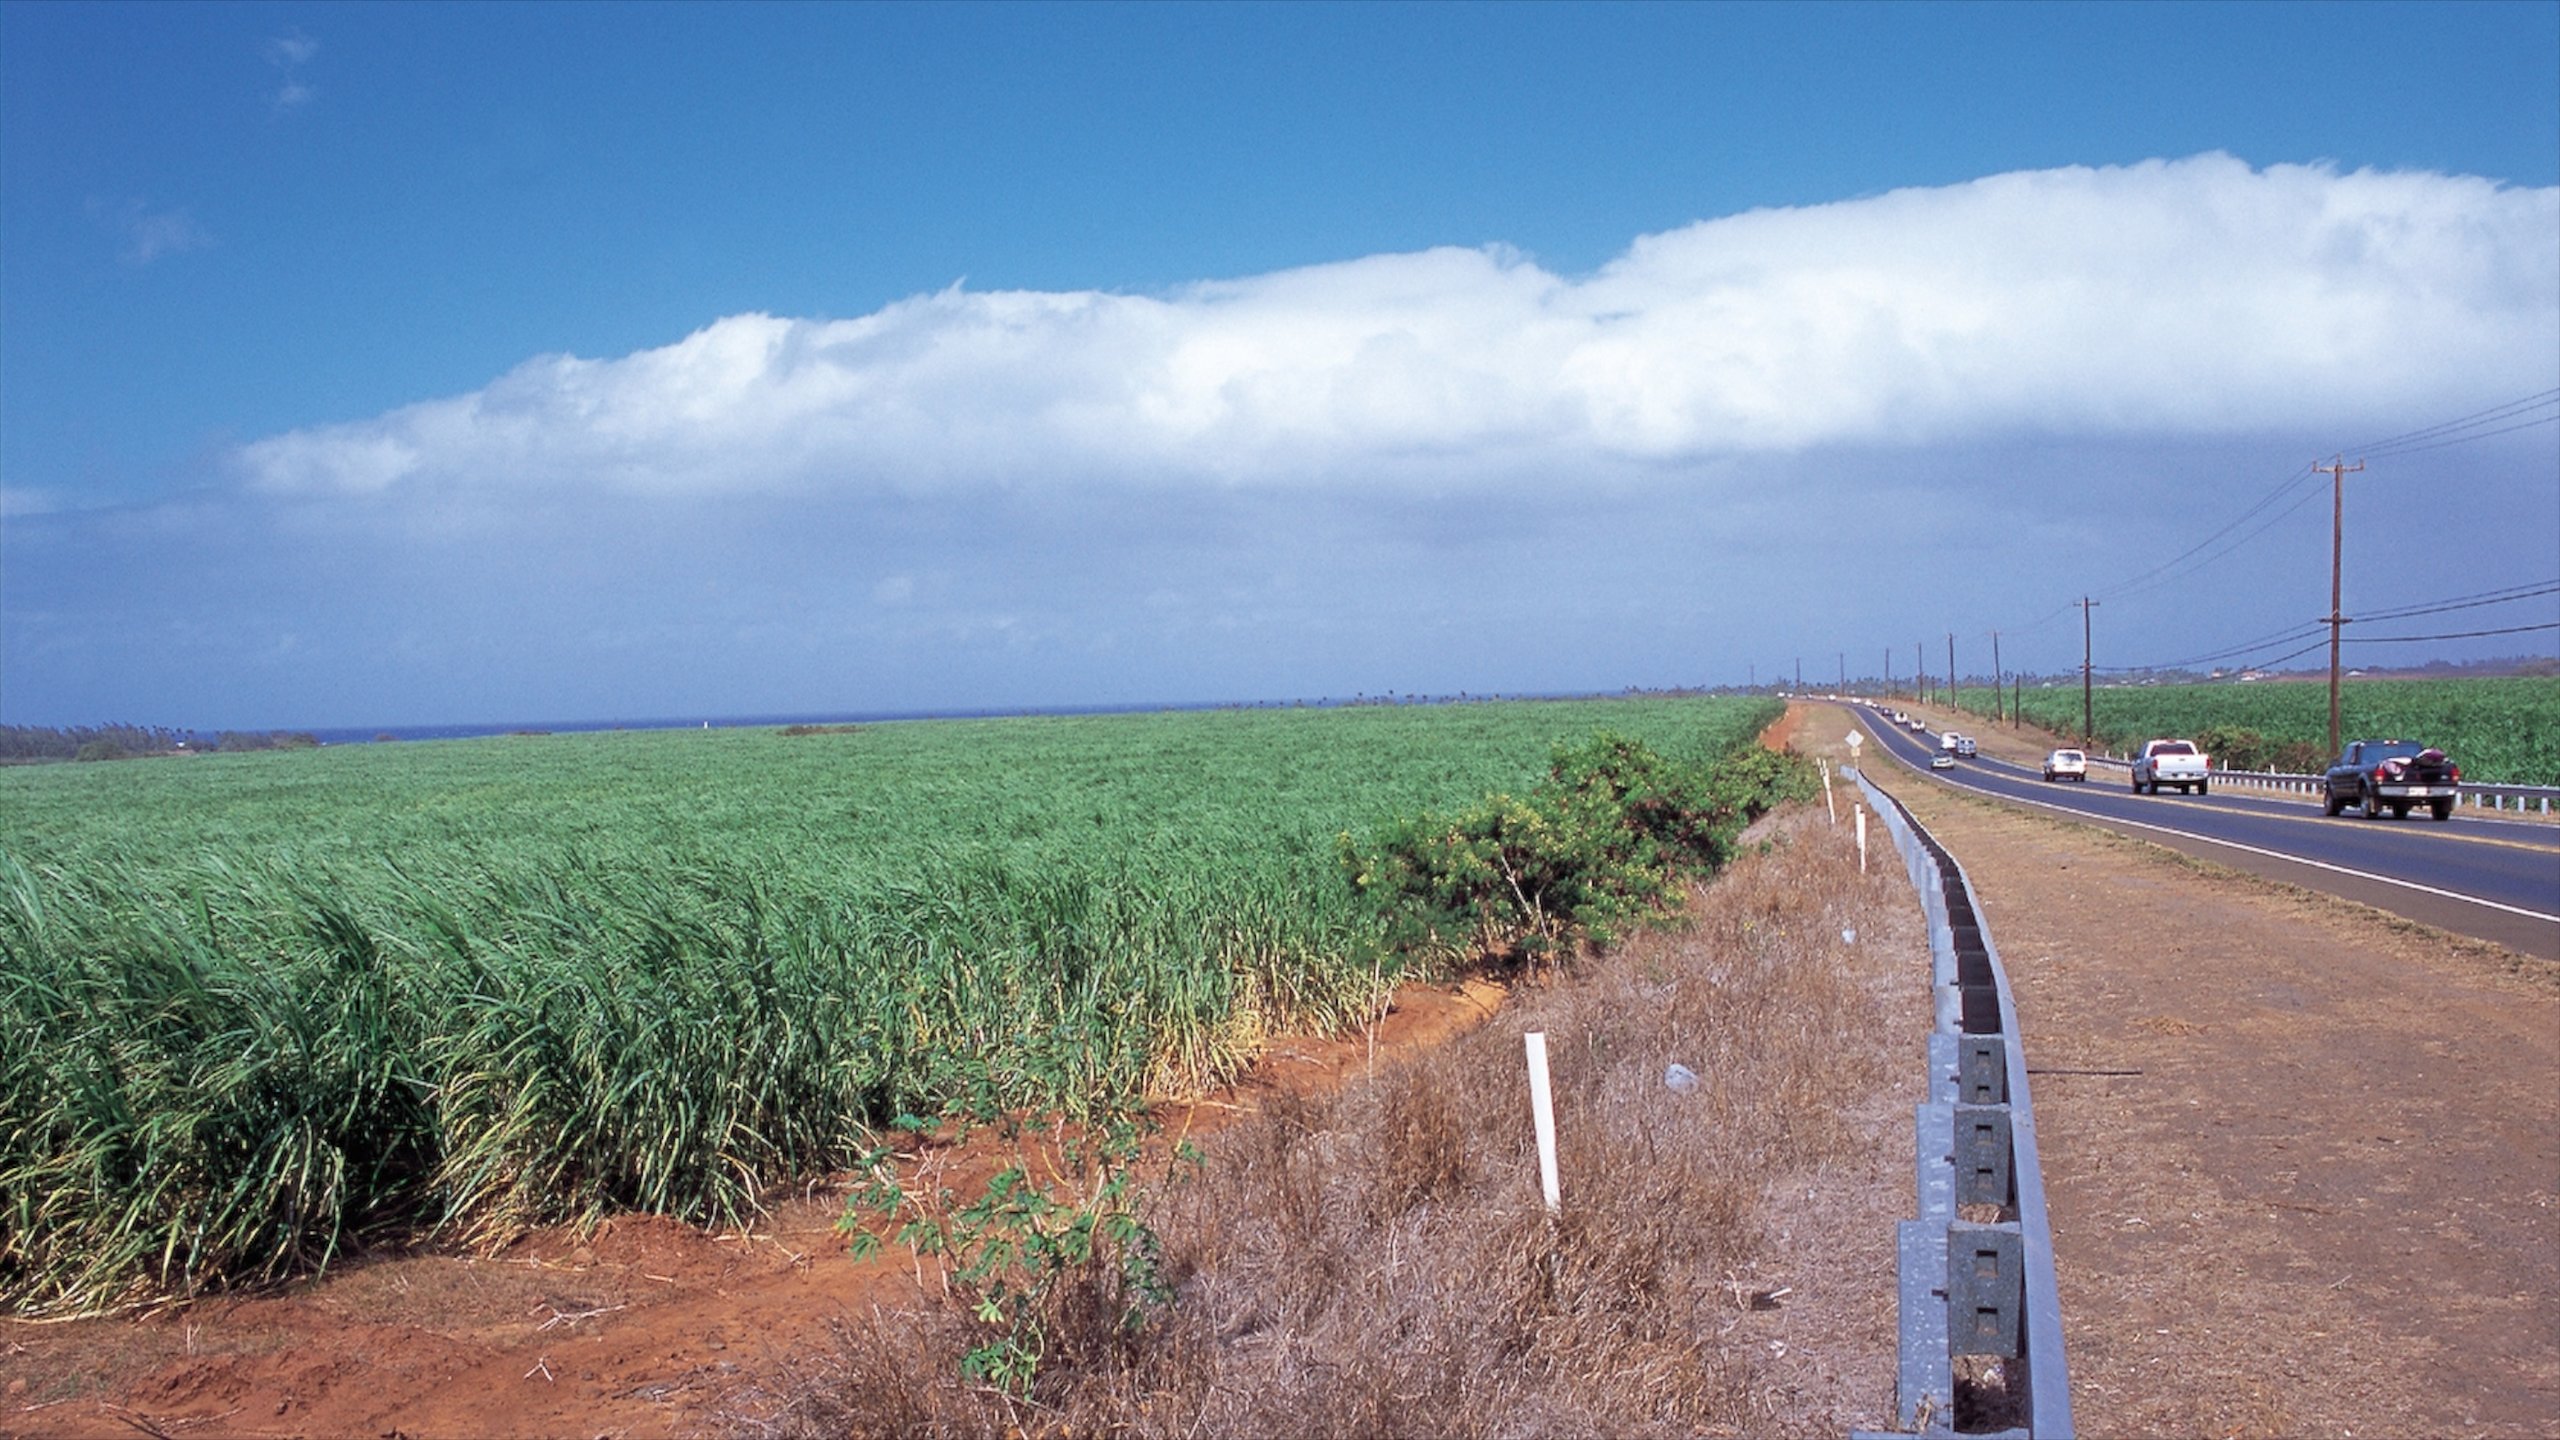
x=1042, y=1266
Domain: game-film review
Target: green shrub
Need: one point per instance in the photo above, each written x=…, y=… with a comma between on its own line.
x=2235, y=747
x=1601, y=844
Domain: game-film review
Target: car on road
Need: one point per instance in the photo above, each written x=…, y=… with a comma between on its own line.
x=2066, y=765
x=1943, y=760
x=2171, y=762
x=2375, y=775
x=1965, y=748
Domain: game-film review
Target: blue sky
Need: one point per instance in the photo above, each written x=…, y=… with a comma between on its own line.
x=378, y=364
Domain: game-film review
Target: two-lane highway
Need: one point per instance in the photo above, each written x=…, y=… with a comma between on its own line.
x=2497, y=880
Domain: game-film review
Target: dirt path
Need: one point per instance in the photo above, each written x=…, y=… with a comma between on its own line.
x=2303, y=1159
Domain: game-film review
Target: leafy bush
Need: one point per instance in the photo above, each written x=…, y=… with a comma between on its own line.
x=2235, y=747
x=1600, y=844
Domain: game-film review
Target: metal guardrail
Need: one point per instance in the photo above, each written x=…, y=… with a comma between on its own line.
x=2538, y=799
x=1976, y=1273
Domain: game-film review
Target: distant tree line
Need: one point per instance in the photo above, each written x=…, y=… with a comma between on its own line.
x=21, y=744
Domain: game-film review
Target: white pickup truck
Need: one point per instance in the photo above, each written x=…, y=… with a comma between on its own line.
x=2170, y=762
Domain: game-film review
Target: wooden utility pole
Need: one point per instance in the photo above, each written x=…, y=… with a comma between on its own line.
x=1920, y=667
x=2086, y=724
x=1799, y=674
x=1995, y=677
x=1844, y=672
x=1951, y=667
x=2338, y=473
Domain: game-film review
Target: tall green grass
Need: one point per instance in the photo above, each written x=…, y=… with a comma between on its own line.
x=256, y=1007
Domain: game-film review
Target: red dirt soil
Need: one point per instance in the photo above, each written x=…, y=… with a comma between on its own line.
x=642, y=1329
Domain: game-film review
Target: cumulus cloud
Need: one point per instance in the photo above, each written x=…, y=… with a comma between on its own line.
x=2183, y=298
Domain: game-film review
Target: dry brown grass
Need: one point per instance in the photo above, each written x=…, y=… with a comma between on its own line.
x=1376, y=1260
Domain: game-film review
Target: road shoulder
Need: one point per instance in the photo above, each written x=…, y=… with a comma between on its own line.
x=2303, y=1159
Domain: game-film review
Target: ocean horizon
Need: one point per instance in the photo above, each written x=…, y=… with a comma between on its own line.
x=473, y=730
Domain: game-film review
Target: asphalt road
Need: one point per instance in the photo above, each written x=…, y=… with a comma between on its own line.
x=2497, y=880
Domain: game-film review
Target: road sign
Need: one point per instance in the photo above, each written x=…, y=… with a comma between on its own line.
x=1855, y=740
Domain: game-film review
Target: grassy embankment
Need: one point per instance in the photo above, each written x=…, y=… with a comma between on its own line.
x=1375, y=1260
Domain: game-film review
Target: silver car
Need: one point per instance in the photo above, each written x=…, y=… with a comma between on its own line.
x=2067, y=765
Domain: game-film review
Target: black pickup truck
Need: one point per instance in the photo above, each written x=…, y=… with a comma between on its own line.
x=2374, y=774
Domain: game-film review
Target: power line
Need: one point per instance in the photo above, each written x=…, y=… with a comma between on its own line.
x=2323, y=642
x=2281, y=637
x=2467, y=439
x=2495, y=413
x=2467, y=602
x=2295, y=655
x=2526, y=412
x=2506, y=595
x=2457, y=635
x=2124, y=587
x=2478, y=425
x=2131, y=589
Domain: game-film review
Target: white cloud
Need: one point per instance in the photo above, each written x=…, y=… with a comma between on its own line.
x=2187, y=298
x=289, y=49
x=144, y=234
x=17, y=501
x=289, y=52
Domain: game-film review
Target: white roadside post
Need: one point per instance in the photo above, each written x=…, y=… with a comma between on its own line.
x=1542, y=1110
x=1826, y=792
x=1855, y=740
